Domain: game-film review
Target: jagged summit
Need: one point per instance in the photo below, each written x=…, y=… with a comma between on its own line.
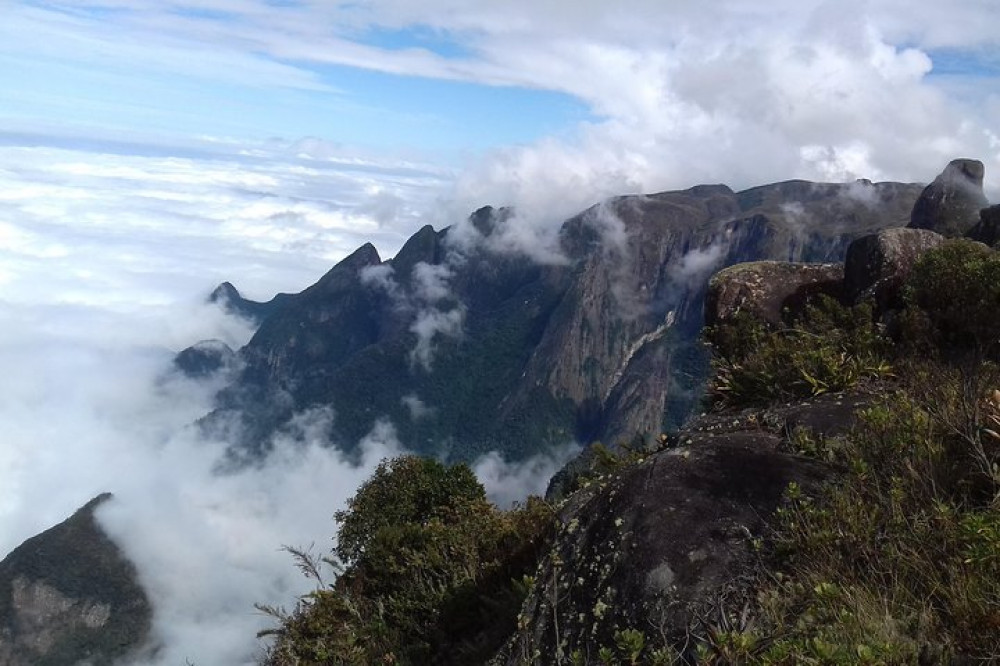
x=518, y=355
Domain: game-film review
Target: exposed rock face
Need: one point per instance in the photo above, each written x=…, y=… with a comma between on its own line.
x=657, y=545
x=951, y=204
x=600, y=345
x=68, y=596
x=205, y=358
x=227, y=296
x=877, y=265
x=987, y=230
x=765, y=289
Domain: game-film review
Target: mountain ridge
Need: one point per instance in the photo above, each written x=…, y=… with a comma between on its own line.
x=572, y=347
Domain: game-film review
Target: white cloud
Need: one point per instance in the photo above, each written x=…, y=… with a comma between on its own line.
x=509, y=482
x=430, y=282
x=418, y=408
x=84, y=414
x=428, y=325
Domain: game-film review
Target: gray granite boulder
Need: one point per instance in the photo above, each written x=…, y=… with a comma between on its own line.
x=951, y=204
x=766, y=289
x=877, y=265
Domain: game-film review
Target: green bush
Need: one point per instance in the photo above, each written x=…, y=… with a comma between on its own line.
x=432, y=573
x=828, y=348
x=956, y=287
x=898, y=562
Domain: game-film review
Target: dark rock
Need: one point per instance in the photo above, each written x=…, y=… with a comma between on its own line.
x=987, y=230
x=768, y=289
x=69, y=596
x=205, y=358
x=424, y=246
x=653, y=547
x=227, y=296
x=951, y=204
x=656, y=545
x=877, y=265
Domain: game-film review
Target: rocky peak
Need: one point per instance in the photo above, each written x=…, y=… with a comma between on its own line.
x=69, y=596
x=951, y=204
x=230, y=299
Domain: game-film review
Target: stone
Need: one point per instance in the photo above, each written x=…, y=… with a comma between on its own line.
x=205, y=358
x=655, y=546
x=987, y=230
x=69, y=596
x=877, y=265
x=951, y=204
x=766, y=289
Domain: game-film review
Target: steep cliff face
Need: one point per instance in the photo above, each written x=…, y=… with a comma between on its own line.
x=68, y=596
x=466, y=348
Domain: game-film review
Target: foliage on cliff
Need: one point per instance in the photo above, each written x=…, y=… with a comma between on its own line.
x=897, y=561
x=431, y=573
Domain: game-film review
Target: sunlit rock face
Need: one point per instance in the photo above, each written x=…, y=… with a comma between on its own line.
x=69, y=596
x=598, y=339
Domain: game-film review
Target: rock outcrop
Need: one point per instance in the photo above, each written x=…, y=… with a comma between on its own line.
x=987, y=230
x=658, y=545
x=951, y=204
x=205, y=358
x=69, y=596
x=230, y=299
x=767, y=289
x=877, y=265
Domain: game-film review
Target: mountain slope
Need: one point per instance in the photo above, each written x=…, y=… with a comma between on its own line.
x=466, y=346
x=69, y=596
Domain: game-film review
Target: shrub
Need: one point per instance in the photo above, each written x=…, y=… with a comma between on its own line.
x=957, y=288
x=432, y=573
x=828, y=348
x=898, y=562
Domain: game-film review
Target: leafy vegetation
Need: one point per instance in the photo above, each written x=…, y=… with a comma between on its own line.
x=896, y=562
x=430, y=572
x=899, y=562
x=954, y=291
x=829, y=347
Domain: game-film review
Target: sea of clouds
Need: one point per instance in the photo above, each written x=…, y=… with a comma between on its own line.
x=105, y=262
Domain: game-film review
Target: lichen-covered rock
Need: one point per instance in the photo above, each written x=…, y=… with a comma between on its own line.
x=877, y=265
x=951, y=204
x=68, y=596
x=765, y=289
x=987, y=230
x=655, y=546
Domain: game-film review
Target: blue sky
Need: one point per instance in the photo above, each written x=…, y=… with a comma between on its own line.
x=92, y=84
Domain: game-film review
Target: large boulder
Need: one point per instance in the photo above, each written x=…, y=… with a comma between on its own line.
x=877, y=265
x=987, y=230
x=69, y=596
x=766, y=289
x=951, y=204
x=653, y=547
